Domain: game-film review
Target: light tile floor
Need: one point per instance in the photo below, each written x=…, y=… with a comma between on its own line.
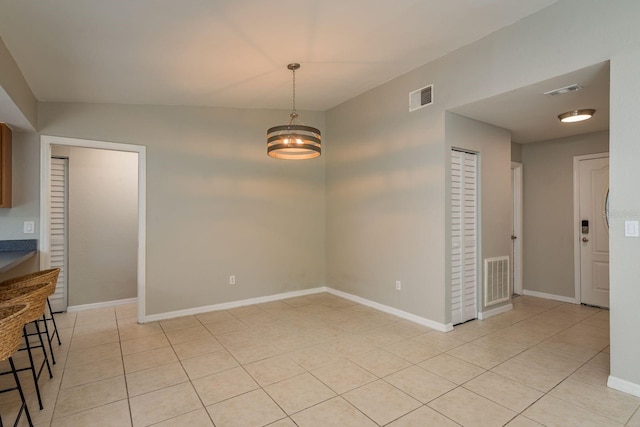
x=320, y=360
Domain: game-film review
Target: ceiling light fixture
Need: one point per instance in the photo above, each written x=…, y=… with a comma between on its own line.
x=576, y=115
x=294, y=141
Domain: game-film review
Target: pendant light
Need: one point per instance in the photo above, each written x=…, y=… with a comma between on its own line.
x=294, y=141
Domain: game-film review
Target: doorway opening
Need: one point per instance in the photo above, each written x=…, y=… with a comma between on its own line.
x=516, y=236
x=45, y=242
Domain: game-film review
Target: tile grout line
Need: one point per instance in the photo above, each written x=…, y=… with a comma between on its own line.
x=124, y=372
x=288, y=416
x=521, y=413
x=64, y=370
x=313, y=313
x=189, y=379
x=261, y=387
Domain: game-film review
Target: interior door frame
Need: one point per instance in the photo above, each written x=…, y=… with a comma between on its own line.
x=516, y=170
x=45, y=182
x=576, y=220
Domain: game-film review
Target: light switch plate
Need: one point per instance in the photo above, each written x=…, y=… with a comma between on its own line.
x=29, y=227
x=631, y=229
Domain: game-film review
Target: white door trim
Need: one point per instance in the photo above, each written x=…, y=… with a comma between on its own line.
x=576, y=220
x=516, y=167
x=45, y=181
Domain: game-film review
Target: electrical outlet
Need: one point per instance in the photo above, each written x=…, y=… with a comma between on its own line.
x=232, y=280
x=398, y=285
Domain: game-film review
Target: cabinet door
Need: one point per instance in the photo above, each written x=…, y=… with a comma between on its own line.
x=5, y=166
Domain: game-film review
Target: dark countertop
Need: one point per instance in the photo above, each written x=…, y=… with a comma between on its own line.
x=14, y=252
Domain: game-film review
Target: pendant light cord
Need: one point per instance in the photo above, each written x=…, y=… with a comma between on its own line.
x=294, y=113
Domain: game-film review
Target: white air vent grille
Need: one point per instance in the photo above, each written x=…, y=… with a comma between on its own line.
x=421, y=98
x=571, y=88
x=496, y=280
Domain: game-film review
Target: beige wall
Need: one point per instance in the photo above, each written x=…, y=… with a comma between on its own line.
x=385, y=201
x=209, y=191
x=386, y=175
x=15, y=94
x=516, y=152
x=25, y=198
x=26, y=184
x=217, y=205
x=625, y=205
x=103, y=224
x=548, y=264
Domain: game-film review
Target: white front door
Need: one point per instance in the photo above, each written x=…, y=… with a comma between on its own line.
x=593, y=230
x=464, y=236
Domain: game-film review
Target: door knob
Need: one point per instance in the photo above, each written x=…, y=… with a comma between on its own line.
x=585, y=239
x=514, y=237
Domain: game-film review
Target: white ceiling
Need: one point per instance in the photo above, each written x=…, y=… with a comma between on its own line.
x=233, y=53
x=533, y=116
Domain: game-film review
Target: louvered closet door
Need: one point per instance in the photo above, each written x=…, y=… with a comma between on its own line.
x=58, y=230
x=464, y=252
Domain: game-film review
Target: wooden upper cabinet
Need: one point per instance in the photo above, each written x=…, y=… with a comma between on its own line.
x=5, y=166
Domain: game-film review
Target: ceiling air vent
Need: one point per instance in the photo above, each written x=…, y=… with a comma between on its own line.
x=572, y=88
x=421, y=98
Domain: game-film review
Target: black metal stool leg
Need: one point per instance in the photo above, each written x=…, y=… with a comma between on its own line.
x=24, y=401
x=44, y=351
x=55, y=327
x=46, y=329
x=33, y=368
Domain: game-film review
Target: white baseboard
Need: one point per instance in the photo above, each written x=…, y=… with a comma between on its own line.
x=105, y=304
x=550, y=296
x=624, y=386
x=229, y=305
x=403, y=314
x=495, y=311
x=234, y=304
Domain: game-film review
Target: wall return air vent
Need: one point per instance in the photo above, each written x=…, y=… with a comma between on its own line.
x=421, y=98
x=496, y=280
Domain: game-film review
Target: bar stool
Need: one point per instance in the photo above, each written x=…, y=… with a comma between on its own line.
x=12, y=320
x=36, y=296
x=49, y=275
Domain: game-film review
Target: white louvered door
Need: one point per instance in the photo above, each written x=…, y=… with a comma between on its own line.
x=464, y=236
x=58, y=230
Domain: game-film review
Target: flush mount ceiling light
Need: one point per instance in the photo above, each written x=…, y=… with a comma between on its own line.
x=576, y=115
x=294, y=141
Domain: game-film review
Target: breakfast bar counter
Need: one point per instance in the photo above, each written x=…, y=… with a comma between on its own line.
x=15, y=252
